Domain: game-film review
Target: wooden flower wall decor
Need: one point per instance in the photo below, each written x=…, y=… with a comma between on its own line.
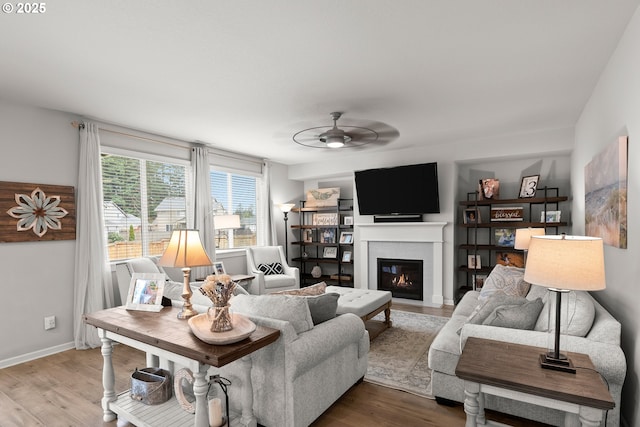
x=36, y=212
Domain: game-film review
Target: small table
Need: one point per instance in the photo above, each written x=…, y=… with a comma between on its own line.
x=163, y=335
x=513, y=371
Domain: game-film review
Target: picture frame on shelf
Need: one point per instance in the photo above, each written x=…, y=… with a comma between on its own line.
x=330, y=252
x=307, y=235
x=550, y=216
x=145, y=292
x=528, y=186
x=327, y=235
x=474, y=262
x=324, y=218
x=505, y=237
x=510, y=259
x=478, y=280
x=218, y=268
x=472, y=216
x=489, y=189
x=511, y=213
x=348, y=220
x=346, y=238
x=346, y=256
x=322, y=197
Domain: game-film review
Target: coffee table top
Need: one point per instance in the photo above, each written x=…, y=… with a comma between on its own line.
x=164, y=330
x=517, y=367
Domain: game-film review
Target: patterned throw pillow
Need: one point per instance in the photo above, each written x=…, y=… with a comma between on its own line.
x=504, y=280
x=273, y=268
x=317, y=289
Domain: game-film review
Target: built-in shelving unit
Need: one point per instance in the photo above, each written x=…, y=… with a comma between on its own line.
x=322, y=233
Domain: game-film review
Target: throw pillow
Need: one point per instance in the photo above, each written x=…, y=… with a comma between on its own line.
x=283, y=307
x=519, y=316
x=317, y=289
x=577, y=315
x=495, y=301
x=272, y=268
x=323, y=307
x=505, y=280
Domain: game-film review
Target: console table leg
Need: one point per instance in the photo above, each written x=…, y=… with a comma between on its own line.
x=471, y=403
x=200, y=388
x=108, y=377
x=590, y=417
x=247, y=419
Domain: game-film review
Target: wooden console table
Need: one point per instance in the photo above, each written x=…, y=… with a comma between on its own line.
x=163, y=335
x=513, y=371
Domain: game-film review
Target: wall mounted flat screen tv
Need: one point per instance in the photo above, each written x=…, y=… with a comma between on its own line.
x=401, y=190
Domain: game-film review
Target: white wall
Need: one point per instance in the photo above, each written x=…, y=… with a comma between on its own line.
x=532, y=146
x=284, y=190
x=612, y=111
x=38, y=146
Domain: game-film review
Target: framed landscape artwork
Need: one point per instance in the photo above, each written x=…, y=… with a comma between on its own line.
x=322, y=197
x=605, y=181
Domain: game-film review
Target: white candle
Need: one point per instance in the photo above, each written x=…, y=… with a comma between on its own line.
x=215, y=412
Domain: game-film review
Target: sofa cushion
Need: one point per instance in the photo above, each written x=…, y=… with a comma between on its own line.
x=484, y=309
x=293, y=309
x=317, y=289
x=505, y=280
x=577, y=320
x=518, y=316
x=271, y=268
x=322, y=307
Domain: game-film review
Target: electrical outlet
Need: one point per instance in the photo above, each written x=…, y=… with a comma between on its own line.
x=49, y=322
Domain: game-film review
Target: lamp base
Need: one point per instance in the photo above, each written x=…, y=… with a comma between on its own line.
x=557, y=364
x=186, y=312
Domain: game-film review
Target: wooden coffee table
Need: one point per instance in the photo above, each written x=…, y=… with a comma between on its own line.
x=513, y=371
x=168, y=340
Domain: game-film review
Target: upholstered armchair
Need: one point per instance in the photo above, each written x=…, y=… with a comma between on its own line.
x=271, y=270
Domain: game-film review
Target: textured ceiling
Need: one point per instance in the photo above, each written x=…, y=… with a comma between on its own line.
x=246, y=75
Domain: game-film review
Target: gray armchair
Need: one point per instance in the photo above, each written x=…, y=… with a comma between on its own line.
x=262, y=262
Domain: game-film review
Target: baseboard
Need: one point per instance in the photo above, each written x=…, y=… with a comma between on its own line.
x=36, y=355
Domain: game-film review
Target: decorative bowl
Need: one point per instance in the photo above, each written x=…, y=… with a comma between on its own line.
x=242, y=327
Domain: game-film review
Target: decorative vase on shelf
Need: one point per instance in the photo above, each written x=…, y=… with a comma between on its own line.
x=219, y=288
x=316, y=272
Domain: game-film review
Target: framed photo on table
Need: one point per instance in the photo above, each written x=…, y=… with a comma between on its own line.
x=145, y=292
x=528, y=186
x=218, y=268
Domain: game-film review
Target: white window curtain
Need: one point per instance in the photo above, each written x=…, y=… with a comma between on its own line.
x=92, y=276
x=202, y=209
x=267, y=236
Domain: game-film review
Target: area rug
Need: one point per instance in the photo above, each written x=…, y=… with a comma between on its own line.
x=398, y=356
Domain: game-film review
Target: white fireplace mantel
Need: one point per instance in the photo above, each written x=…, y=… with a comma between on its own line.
x=419, y=232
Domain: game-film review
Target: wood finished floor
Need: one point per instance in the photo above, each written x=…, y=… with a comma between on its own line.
x=65, y=390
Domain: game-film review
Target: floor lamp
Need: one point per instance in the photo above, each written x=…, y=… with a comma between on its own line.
x=286, y=208
x=562, y=264
x=185, y=250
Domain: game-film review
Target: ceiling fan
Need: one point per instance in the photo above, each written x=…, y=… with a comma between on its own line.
x=344, y=136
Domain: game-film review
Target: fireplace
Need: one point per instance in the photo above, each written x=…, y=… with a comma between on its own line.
x=403, y=277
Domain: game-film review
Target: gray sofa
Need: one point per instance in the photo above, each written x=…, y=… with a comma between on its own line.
x=601, y=342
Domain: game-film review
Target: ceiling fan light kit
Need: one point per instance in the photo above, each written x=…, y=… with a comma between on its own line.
x=344, y=136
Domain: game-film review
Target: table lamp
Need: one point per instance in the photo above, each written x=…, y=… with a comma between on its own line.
x=562, y=264
x=523, y=238
x=286, y=208
x=185, y=250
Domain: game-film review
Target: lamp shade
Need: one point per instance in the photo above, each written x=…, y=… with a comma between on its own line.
x=286, y=207
x=523, y=237
x=566, y=262
x=185, y=250
x=226, y=222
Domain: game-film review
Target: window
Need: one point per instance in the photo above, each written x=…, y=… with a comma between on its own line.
x=234, y=195
x=143, y=202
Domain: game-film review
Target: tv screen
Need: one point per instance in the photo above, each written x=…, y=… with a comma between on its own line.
x=401, y=190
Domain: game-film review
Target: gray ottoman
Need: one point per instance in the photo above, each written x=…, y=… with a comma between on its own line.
x=364, y=303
